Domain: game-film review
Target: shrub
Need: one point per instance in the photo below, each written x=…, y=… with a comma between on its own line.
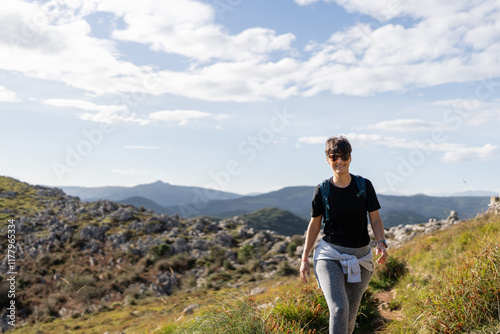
x=179, y=262
x=227, y=265
x=306, y=308
x=291, y=248
x=389, y=274
x=83, y=286
x=367, y=312
x=245, y=253
x=159, y=250
x=236, y=314
x=306, y=311
x=255, y=266
x=125, y=278
x=284, y=269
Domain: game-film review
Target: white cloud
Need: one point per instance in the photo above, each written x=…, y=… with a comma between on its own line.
x=38, y=43
x=356, y=140
x=406, y=125
x=453, y=152
x=450, y=42
x=480, y=153
x=82, y=104
x=379, y=56
x=120, y=113
x=8, y=96
x=311, y=140
x=140, y=147
x=305, y=2
x=235, y=81
x=385, y=10
x=187, y=28
x=105, y=113
x=180, y=116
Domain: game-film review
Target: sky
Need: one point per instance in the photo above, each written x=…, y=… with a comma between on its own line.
x=240, y=95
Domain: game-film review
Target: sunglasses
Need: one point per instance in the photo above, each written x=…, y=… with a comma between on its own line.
x=336, y=156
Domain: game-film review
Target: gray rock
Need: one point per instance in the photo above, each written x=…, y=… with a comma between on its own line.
x=279, y=247
x=122, y=214
x=89, y=232
x=223, y=239
x=190, y=309
x=180, y=246
x=257, y=291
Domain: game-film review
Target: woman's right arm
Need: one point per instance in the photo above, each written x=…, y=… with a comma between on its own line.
x=311, y=235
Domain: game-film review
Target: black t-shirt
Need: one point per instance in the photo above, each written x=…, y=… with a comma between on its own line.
x=348, y=224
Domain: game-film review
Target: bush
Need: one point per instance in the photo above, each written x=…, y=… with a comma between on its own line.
x=389, y=274
x=227, y=265
x=367, y=312
x=291, y=248
x=83, y=286
x=245, y=253
x=180, y=263
x=306, y=308
x=236, y=314
x=159, y=250
x=284, y=269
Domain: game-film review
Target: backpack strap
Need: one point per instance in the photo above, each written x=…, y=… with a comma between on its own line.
x=325, y=191
x=361, y=183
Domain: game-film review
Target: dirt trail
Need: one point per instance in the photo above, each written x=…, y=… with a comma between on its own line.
x=384, y=298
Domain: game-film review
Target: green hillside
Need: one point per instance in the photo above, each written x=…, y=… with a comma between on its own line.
x=91, y=267
x=454, y=280
x=139, y=201
x=19, y=198
x=281, y=221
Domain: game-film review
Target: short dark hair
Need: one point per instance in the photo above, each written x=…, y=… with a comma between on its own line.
x=337, y=144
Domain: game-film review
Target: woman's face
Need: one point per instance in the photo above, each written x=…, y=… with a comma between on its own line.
x=339, y=162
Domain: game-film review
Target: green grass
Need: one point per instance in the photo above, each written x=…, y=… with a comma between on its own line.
x=291, y=307
x=23, y=203
x=454, y=286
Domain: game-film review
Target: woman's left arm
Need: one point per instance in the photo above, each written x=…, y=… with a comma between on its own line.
x=378, y=230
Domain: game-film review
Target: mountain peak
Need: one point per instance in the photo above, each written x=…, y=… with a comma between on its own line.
x=160, y=182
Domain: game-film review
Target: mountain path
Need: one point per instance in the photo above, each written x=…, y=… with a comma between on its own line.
x=383, y=299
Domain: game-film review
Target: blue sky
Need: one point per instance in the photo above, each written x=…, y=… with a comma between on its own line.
x=240, y=95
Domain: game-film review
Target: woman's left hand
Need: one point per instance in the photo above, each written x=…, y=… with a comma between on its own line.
x=383, y=254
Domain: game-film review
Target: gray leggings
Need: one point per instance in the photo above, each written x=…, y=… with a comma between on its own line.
x=343, y=298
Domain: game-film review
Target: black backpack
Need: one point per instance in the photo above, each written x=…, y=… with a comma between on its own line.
x=325, y=191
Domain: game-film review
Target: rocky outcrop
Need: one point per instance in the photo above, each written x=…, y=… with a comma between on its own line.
x=104, y=234
x=403, y=233
x=494, y=206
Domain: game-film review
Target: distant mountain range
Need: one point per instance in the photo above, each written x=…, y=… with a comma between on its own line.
x=159, y=192
x=195, y=201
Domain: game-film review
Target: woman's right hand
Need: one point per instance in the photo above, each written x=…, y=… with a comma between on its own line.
x=311, y=236
x=305, y=270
